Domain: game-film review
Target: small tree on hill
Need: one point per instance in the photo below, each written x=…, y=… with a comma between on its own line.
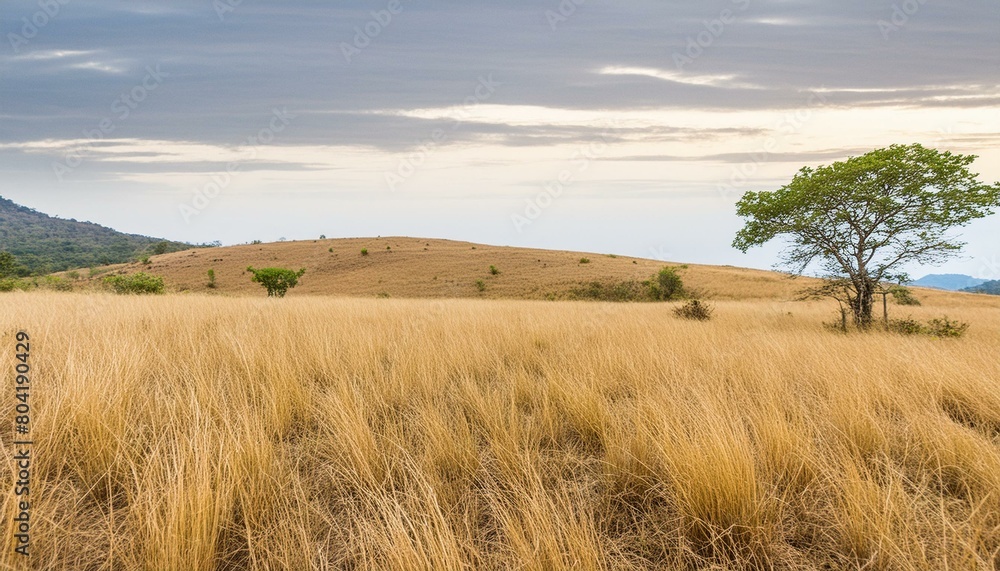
x=277, y=281
x=667, y=284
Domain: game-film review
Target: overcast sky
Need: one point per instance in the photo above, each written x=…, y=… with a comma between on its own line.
x=629, y=126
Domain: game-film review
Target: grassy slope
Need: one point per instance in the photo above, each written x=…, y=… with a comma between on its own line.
x=430, y=268
x=207, y=432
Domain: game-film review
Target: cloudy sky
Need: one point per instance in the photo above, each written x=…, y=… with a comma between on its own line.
x=629, y=126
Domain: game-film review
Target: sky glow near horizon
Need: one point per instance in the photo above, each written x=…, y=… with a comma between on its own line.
x=624, y=127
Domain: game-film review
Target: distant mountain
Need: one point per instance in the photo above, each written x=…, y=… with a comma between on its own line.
x=992, y=288
x=953, y=282
x=44, y=244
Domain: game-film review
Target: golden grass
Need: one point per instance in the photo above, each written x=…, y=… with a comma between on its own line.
x=199, y=433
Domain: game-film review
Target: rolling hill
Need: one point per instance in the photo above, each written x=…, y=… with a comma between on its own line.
x=405, y=267
x=44, y=243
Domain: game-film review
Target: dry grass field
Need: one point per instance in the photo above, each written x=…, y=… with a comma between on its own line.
x=198, y=432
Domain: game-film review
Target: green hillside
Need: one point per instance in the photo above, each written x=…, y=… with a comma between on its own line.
x=992, y=288
x=46, y=244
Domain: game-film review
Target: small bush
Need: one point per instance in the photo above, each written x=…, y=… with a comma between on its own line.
x=364, y=251
x=694, y=309
x=211, y=279
x=903, y=296
x=666, y=285
x=584, y=260
x=908, y=326
x=322, y=236
x=383, y=295
x=945, y=327
x=55, y=283
x=255, y=242
x=144, y=260
x=73, y=275
x=14, y=284
x=481, y=285
x=138, y=284
x=621, y=291
x=330, y=250
x=941, y=327
x=494, y=271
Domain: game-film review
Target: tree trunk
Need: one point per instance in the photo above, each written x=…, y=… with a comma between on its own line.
x=862, y=303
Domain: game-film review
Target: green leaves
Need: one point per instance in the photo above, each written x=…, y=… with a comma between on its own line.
x=10, y=268
x=277, y=281
x=865, y=217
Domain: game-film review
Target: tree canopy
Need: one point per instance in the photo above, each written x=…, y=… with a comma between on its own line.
x=864, y=219
x=277, y=281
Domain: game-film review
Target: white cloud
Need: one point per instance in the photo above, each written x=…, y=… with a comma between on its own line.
x=722, y=81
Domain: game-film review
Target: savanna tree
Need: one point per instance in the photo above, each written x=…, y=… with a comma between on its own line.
x=866, y=218
x=277, y=281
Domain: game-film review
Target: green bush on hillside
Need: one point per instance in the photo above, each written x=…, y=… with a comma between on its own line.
x=138, y=283
x=277, y=281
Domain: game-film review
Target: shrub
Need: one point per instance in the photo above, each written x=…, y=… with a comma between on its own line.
x=908, y=326
x=277, y=281
x=667, y=285
x=584, y=260
x=55, y=283
x=144, y=260
x=942, y=327
x=330, y=250
x=138, y=283
x=481, y=285
x=73, y=275
x=383, y=295
x=694, y=309
x=620, y=291
x=945, y=327
x=903, y=296
x=211, y=279
x=13, y=284
x=255, y=242
x=494, y=271
x=364, y=251
x=322, y=236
